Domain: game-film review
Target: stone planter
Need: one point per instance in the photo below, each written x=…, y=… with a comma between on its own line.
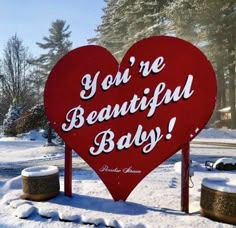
x=218, y=200
x=40, y=183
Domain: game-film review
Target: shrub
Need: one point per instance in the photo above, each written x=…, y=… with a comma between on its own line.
x=33, y=118
x=9, y=123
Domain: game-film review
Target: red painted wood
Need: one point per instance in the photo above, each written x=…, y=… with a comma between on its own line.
x=185, y=179
x=68, y=171
x=126, y=119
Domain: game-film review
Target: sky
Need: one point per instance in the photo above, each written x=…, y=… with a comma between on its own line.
x=30, y=20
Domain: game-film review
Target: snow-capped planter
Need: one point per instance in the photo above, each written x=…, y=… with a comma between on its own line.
x=40, y=183
x=218, y=199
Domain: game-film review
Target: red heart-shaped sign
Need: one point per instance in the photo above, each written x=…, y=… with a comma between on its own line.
x=125, y=120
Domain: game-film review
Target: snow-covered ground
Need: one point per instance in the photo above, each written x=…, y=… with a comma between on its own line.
x=155, y=202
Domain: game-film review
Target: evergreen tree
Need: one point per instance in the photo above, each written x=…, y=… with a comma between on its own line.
x=146, y=19
x=57, y=45
x=126, y=21
x=112, y=33
x=9, y=123
x=37, y=83
x=210, y=24
x=31, y=119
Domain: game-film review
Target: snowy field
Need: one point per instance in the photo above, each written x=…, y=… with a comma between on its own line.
x=154, y=203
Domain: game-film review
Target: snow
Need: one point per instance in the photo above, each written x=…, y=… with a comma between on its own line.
x=227, y=109
x=221, y=135
x=18, y=202
x=14, y=183
x=225, y=161
x=8, y=123
x=30, y=146
x=36, y=171
x=220, y=184
x=9, y=197
x=24, y=211
x=217, y=134
x=155, y=202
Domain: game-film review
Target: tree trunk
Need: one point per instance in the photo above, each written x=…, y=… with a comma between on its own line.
x=49, y=134
x=221, y=90
x=232, y=96
x=232, y=77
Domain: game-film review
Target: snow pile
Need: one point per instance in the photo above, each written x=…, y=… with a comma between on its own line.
x=18, y=202
x=220, y=184
x=24, y=211
x=212, y=133
x=14, y=183
x=155, y=202
x=193, y=165
x=11, y=196
x=36, y=171
x=27, y=147
x=224, y=161
x=33, y=135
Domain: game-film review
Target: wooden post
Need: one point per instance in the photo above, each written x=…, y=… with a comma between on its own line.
x=185, y=178
x=68, y=171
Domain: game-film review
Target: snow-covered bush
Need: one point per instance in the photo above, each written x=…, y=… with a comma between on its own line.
x=9, y=123
x=33, y=118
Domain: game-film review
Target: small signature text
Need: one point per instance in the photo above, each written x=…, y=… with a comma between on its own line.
x=130, y=169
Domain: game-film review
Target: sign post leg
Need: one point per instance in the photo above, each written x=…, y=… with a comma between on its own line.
x=68, y=171
x=185, y=178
